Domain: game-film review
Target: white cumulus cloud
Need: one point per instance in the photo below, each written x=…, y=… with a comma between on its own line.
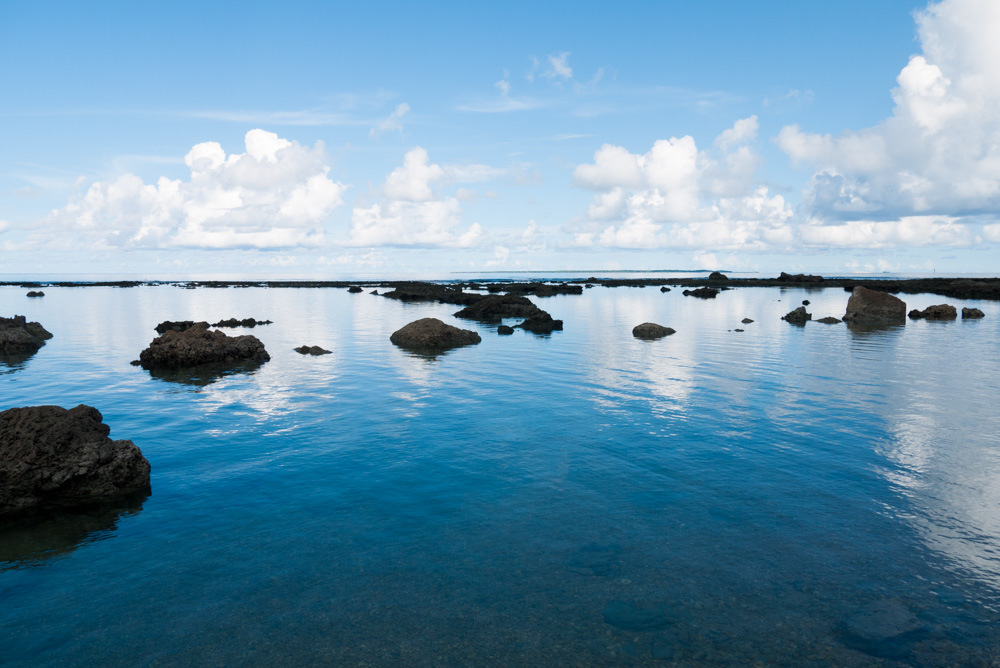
x=939, y=152
x=412, y=212
x=677, y=196
x=275, y=195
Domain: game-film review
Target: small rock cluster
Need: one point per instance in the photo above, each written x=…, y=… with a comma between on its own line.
x=198, y=345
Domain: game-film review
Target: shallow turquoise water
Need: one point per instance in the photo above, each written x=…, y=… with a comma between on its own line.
x=713, y=497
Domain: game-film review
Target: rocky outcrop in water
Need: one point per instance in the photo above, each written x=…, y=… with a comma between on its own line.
x=936, y=312
x=198, y=345
x=651, y=330
x=354, y=289
x=246, y=322
x=36, y=293
x=717, y=276
x=799, y=278
x=54, y=457
x=18, y=336
x=506, y=330
x=173, y=326
x=746, y=321
x=311, y=350
x=541, y=323
x=431, y=292
x=972, y=313
x=537, y=288
x=703, y=293
x=872, y=307
x=829, y=320
x=494, y=308
x=797, y=317
x=432, y=334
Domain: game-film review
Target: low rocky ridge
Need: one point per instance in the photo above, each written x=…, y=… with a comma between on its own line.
x=936, y=312
x=246, y=322
x=198, y=345
x=651, y=330
x=432, y=334
x=174, y=326
x=311, y=350
x=703, y=293
x=36, y=293
x=797, y=317
x=829, y=320
x=873, y=307
x=18, y=336
x=53, y=457
x=494, y=308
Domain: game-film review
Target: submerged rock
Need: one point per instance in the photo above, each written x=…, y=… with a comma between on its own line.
x=873, y=307
x=885, y=629
x=541, y=323
x=936, y=312
x=198, y=345
x=703, y=293
x=630, y=617
x=972, y=313
x=311, y=350
x=651, y=330
x=36, y=293
x=18, y=336
x=54, y=457
x=246, y=322
x=432, y=334
x=797, y=317
x=829, y=320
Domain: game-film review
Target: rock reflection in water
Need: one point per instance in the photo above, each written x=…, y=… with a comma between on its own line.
x=35, y=538
x=205, y=374
x=11, y=362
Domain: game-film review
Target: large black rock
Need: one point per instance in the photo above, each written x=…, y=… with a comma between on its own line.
x=52, y=457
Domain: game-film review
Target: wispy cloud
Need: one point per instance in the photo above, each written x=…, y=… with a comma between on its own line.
x=504, y=104
x=391, y=124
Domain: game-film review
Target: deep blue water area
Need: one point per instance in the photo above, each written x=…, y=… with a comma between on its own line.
x=784, y=495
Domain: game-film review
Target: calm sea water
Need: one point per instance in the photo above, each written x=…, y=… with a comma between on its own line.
x=782, y=495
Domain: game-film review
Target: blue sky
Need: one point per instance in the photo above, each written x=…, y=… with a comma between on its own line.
x=205, y=138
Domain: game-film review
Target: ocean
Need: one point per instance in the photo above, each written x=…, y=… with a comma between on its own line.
x=781, y=495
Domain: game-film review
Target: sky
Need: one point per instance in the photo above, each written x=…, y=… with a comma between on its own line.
x=390, y=138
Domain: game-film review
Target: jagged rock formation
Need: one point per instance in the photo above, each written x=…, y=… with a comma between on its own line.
x=797, y=317
x=18, y=336
x=54, y=457
x=199, y=345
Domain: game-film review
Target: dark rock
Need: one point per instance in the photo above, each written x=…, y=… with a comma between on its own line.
x=968, y=313
x=885, y=629
x=798, y=316
x=746, y=321
x=432, y=334
x=505, y=329
x=311, y=350
x=174, y=326
x=650, y=330
x=246, y=322
x=799, y=278
x=198, y=345
x=829, y=320
x=738, y=330
x=431, y=292
x=354, y=289
x=629, y=617
x=588, y=285
x=703, y=293
x=374, y=292
x=541, y=323
x=36, y=293
x=805, y=302
x=494, y=308
x=936, y=312
x=873, y=307
x=18, y=336
x=53, y=457
x=717, y=276
x=596, y=559
x=540, y=289
x=664, y=289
